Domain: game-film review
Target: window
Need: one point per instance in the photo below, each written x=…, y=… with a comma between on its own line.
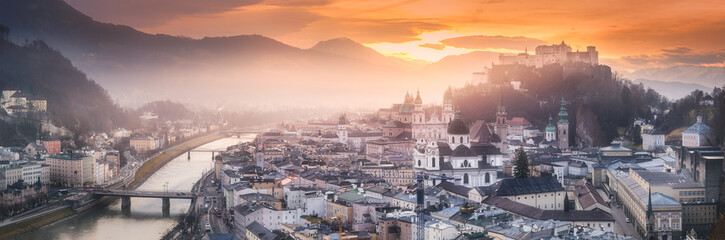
x=419, y=163
x=465, y=178
x=433, y=162
x=461, y=139
x=488, y=178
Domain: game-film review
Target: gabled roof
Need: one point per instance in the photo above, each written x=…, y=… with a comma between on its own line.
x=453, y=188
x=480, y=132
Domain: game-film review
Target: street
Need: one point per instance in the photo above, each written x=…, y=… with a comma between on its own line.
x=210, y=196
x=620, y=223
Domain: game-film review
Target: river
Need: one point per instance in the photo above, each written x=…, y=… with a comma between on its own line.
x=146, y=221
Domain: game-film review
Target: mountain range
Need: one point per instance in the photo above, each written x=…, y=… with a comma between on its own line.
x=244, y=70
x=672, y=90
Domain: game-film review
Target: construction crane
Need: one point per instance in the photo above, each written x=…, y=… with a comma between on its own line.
x=420, y=204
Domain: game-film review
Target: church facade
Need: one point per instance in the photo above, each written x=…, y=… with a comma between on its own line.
x=455, y=157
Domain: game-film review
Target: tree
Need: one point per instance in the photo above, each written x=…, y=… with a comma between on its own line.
x=637, y=135
x=522, y=164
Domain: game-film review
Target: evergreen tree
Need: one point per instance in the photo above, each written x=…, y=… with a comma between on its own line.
x=522, y=164
x=637, y=135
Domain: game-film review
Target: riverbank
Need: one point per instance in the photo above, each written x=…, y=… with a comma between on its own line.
x=143, y=173
x=16, y=229
x=154, y=164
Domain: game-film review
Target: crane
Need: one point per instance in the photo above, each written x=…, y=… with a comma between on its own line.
x=420, y=204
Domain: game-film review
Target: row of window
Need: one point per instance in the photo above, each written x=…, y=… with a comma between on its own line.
x=692, y=193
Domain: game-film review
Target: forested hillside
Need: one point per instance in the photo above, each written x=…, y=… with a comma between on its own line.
x=74, y=101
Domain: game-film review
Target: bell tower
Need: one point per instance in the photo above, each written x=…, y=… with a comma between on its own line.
x=563, y=126
x=501, y=126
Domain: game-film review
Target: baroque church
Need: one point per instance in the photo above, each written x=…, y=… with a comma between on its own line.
x=456, y=157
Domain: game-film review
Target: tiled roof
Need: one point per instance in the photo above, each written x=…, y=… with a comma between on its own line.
x=518, y=186
x=453, y=188
x=463, y=151
x=527, y=211
x=260, y=231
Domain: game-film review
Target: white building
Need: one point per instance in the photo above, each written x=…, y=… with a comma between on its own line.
x=270, y=218
x=653, y=139
x=551, y=54
x=311, y=201
x=696, y=135
x=441, y=231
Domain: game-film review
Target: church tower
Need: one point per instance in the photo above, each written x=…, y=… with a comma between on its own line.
x=550, y=131
x=448, y=113
x=259, y=153
x=418, y=117
x=342, y=128
x=501, y=126
x=563, y=126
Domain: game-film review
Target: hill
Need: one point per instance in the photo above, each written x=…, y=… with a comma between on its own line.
x=595, y=99
x=74, y=101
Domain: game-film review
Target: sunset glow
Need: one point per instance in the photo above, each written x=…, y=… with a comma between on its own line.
x=626, y=31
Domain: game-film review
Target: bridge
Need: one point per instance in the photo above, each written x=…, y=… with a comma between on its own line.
x=127, y=195
x=238, y=132
x=188, y=151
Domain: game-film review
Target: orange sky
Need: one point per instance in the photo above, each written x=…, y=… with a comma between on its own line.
x=628, y=34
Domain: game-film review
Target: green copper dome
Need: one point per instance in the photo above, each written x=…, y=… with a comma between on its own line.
x=551, y=127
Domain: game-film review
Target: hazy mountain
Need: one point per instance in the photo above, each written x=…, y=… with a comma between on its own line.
x=672, y=90
x=348, y=47
x=706, y=76
x=461, y=67
x=241, y=70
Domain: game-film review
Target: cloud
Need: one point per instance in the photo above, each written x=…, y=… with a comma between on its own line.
x=486, y=42
x=678, y=56
x=677, y=50
x=436, y=46
x=297, y=2
x=148, y=13
x=272, y=22
x=367, y=30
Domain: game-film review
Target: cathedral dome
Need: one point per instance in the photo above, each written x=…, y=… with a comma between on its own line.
x=550, y=127
x=406, y=108
x=457, y=125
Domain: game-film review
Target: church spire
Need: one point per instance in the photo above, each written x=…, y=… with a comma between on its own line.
x=418, y=100
x=649, y=203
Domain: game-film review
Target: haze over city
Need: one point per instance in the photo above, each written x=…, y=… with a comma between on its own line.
x=362, y=120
